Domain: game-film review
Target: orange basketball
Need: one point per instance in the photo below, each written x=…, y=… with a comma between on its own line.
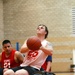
x=33, y=43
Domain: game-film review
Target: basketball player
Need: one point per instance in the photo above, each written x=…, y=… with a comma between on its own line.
x=33, y=59
x=47, y=64
x=9, y=57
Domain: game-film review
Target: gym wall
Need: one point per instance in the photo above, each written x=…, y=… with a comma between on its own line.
x=20, y=18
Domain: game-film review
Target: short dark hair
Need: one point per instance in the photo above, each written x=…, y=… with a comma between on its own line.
x=46, y=29
x=5, y=42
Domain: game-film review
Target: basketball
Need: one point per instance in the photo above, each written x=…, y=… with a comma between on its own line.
x=33, y=43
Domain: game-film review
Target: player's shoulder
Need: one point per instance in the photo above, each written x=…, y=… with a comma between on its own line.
x=0, y=56
x=46, y=41
x=49, y=43
x=17, y=52
x=0, y=53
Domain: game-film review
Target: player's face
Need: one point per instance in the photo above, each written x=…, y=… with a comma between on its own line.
x=41, y=30
x=7, y=48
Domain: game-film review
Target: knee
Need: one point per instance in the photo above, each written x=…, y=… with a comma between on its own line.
x=9, y=72
x=21, y=72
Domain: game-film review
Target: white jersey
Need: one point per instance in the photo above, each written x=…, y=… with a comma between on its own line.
x=36, y=58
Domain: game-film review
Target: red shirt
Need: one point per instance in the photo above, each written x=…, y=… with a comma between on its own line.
x=9, y=62
x=44, y=66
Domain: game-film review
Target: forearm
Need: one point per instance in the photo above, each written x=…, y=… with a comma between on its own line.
x=48, y=66
x=24, y=49
x=46, y=50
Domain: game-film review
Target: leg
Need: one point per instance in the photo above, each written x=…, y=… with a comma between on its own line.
x=27, y=70
x=9, y=72
x=1, y=71
x=21, y=72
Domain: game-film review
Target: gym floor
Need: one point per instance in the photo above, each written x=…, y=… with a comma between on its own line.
x=64, y=73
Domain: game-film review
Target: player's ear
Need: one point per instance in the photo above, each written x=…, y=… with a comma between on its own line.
x=45, y=32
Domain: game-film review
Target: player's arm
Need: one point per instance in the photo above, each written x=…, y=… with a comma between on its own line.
x=0, y=58
x=47, y=49
x=19, y=57
x=48, y=66
x=24, y=48
x=49, y=61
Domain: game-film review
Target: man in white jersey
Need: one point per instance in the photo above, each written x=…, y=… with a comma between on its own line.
x=34, y=59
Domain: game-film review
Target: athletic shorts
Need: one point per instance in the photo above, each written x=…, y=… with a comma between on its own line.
x=30, y=69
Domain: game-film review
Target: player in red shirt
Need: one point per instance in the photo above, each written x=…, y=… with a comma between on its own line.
x=9, y=57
